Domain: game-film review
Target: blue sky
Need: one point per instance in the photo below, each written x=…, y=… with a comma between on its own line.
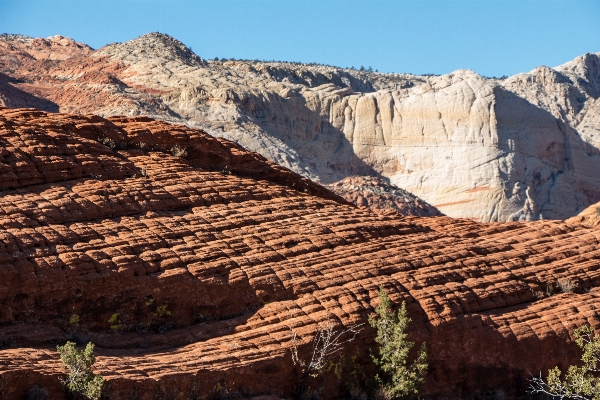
x=491, y=37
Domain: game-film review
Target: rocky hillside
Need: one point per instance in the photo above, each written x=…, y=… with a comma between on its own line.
x=191, y=262
x=522, y=148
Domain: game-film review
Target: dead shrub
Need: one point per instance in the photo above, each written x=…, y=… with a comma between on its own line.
x=327, y=342
x=565, y=285
x=178, y=151
x=108, y=142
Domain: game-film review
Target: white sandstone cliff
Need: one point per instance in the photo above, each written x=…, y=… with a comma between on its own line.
x=494, y=150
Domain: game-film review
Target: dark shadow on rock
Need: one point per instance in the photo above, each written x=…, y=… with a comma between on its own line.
x=552, y=164
x=14, y=97
x=322, y=147
x=470, y=355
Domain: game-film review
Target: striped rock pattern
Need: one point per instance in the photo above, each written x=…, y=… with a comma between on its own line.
x=205, y=264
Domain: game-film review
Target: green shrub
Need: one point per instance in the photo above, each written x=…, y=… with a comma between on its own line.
x=399, y=377
x=74, y=320
x=80, y=378
x=115, y=323
x=579, y=382
x=162, y=311
x=160, y=317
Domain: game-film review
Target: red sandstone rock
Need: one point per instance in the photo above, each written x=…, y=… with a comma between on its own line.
x=241, y=251
x=589, y=217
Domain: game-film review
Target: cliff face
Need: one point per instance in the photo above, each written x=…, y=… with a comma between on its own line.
x=114, y=220
x=517, y=149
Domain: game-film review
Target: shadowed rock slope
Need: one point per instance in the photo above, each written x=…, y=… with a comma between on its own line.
x=205, y=261
x=521, y=148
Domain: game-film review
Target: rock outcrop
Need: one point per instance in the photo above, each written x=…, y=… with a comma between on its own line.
x=380, y=196
x=588, y=217
x=190, y=261
x=523, y=148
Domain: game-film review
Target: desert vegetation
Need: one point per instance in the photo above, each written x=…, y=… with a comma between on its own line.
x=399, y=371
x=579, y=382
x=178, y=151
x=326, y=344
x=80, y=379
x=398, y=376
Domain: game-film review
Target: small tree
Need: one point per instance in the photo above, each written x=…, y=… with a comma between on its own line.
x=400, y=378
x=579, y=382
x=80, y=378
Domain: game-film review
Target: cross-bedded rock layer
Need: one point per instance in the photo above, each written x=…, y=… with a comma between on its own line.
x=240, y=252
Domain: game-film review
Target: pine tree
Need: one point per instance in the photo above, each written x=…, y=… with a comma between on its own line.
x=579, y=382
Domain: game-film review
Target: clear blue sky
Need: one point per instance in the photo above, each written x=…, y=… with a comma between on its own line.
x=491, y=37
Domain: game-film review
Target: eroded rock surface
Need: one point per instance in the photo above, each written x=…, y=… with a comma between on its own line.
x=590, y=216
x=379, y=196
x=99, y=217
x=523, y=148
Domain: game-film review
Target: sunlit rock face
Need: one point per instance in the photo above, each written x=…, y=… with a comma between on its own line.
x=521, y=148
x=189, y=261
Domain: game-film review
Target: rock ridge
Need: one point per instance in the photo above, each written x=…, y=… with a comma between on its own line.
x=240, y=261
x=154, y=46
x=380, y=196
x=521, y=148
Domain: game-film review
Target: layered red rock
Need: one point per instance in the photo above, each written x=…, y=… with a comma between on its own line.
x=590, y=216
x=123, y=216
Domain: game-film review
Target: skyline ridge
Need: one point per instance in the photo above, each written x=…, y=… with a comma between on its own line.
x=493, y=38
x=366, y=69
